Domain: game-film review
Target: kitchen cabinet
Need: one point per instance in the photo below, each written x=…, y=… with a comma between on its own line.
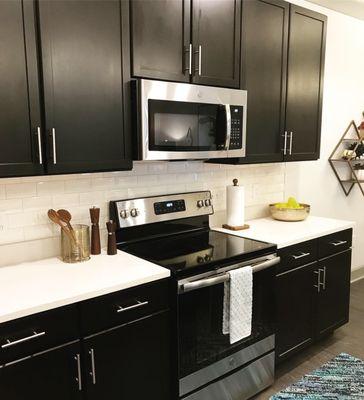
x=305, y=83
x=83, y=86
x=312, y=291
x=295, y=309
x=162, y=48
x=283, y=75
x=333, y=298
x=131, y=361
x=161, y=39
x=53, y=374
x=20, y=120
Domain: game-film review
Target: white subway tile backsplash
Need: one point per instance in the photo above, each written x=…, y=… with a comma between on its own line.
x=20, y=190
x=24, y=201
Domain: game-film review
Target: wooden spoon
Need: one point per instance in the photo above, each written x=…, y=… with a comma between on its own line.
x=54, y=217
x=66, y=217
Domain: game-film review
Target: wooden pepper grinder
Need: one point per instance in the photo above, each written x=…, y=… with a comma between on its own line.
x=95, y=231
x=111, y=238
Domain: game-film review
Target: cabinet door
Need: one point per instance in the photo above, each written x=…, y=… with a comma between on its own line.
x=305, y=83
x=19, y=91
x=295, y=309
x=264, y=69
x=130, y=362
x=216, y=28
x=161, y=39
x=334, y=297
x=49, y=375
x=83, y=88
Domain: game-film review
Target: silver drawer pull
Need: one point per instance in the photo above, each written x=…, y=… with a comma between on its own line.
x=34, y=336
x=339, y=242
x=93, y=368
x=323, y=283
x=301, y=255
x=79, y=376
x=137, y=305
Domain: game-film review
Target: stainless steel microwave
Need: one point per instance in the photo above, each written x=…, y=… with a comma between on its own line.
x=179, y=121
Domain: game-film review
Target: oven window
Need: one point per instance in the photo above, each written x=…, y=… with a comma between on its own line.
x=201, y=341
x=183, y=126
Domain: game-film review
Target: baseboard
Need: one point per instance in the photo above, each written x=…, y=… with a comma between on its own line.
x=357, y=274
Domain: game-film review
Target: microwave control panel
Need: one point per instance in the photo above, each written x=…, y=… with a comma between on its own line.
x=236, y=136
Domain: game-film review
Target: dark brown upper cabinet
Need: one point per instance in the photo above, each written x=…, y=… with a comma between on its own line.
x=20, y=121
x=160, y=39
x=306, y=57
x=282, y=69
x=83, y=85
x=195, y=41
x=265, y=77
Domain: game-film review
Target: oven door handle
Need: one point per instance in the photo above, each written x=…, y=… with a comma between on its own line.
x=202, y=283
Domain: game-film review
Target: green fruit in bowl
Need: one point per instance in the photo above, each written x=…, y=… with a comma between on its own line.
x=291, y=204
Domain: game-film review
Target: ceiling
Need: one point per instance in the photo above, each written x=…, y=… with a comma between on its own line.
x=355, y=8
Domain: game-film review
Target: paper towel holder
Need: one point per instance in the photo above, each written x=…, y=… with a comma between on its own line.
x=236, y=228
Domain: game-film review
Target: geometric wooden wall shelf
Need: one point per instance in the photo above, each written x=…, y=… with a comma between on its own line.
x=347, y=159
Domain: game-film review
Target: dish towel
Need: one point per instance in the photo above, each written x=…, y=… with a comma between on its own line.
x=238, y=304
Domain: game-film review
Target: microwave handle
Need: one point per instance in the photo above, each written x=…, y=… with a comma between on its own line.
x=228, y=126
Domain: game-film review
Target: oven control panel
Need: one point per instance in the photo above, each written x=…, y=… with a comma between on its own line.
x=236, y=136
x=133, y=212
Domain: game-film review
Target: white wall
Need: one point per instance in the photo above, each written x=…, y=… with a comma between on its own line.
x=27, y=234
x=314, y=182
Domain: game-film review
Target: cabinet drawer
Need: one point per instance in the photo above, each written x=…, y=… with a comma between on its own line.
x=29, y=335
x=124, y=306
x=296, y=255
x=335, y=243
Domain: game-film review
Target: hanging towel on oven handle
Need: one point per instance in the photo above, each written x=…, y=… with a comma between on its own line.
x=238, y=304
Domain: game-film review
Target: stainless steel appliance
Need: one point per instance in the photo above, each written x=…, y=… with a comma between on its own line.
x=173, y=231
x=177, y=121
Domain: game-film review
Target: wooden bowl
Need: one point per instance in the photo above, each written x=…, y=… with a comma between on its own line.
x=290, y=214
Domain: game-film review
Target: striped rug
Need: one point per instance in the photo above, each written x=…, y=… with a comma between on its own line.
x=342, y=378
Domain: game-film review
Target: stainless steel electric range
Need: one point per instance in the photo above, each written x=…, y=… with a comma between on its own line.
x=173, y=231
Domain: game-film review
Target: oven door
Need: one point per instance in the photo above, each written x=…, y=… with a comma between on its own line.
x=183, y=121
x=201, y=341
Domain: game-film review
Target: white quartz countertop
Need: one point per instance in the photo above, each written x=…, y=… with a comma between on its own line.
x=34, y=287
x=285, y=234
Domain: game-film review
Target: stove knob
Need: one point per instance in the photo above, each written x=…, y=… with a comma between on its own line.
x=200, y=259
x=134, y=212
x=207, y=258
x=207, y=202
x=123, y=214
x=200, y=203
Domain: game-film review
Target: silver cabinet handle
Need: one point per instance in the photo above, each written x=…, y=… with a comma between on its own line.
x=39, y=146
x=318, y=280
x=54, y=146
x=323, y=283
x=285, y=143
x=79, y=377
x=290, y=143
x=297, y=257
x=137, y=305
x=93, y=369
x=199, y=52
x=339, y=242
x=189, y=68
x=228, y=126
x=26, y=339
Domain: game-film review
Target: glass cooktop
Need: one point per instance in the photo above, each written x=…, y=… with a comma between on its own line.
x=195, y=251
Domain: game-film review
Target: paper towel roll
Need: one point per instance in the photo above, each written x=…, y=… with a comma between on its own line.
x=235, y=205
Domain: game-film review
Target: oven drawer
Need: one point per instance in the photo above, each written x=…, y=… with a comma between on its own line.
x=240, y=385
x=297, y=255
x=335, y=243
x=124, y=306
x=25, y=336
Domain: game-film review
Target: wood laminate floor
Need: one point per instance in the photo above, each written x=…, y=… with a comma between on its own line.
x=348, y=339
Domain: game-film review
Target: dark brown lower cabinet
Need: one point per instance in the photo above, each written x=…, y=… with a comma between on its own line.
x=130, y=362
x=312, y=300
x=295, y=309
x=334, y=297
x=49, y=375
